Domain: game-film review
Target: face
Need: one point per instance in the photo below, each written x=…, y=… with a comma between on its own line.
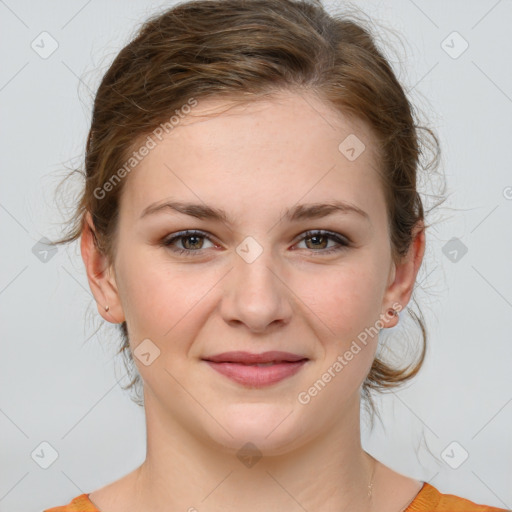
x=281, y=272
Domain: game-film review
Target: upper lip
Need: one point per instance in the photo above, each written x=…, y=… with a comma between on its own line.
x=248, y=357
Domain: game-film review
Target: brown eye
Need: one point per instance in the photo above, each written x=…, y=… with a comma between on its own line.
x=318, y=241
x=191, y=241
x=195, y=242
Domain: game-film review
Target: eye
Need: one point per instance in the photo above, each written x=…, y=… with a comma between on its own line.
x=191, y=240
x=320, y=238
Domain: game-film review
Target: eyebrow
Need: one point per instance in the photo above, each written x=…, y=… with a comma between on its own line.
x=297, y=213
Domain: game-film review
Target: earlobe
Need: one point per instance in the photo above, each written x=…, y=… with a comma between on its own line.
x=100, y=275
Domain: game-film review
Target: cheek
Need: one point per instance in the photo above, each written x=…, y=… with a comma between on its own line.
x=151, y=295
x=349, y=305
x=346, y=299
x=163, y=302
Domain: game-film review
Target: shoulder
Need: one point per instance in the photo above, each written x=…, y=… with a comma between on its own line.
x=429, y=499
x=81, y=503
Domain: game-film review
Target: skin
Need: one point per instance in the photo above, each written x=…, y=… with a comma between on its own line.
x=254, y=161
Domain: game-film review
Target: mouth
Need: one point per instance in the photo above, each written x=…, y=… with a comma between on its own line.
x=256, y=370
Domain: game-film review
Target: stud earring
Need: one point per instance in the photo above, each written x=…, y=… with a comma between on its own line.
x=107, y=308
x=393, y=312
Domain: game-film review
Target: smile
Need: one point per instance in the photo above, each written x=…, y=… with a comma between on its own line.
x=256, y=370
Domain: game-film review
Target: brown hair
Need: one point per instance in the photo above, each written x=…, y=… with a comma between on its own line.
x=248, y=49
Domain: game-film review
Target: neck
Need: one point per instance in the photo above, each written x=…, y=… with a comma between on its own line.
x=184, y=472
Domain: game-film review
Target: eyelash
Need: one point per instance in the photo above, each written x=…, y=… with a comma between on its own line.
x=342, y=241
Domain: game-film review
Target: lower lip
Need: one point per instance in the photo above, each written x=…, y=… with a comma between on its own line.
x=257, y=376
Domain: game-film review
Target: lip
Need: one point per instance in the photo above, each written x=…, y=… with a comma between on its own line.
x=241, y=366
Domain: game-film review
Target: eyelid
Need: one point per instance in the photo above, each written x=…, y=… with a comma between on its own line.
x=324, y=232
x=168, y=240
x=343, y=241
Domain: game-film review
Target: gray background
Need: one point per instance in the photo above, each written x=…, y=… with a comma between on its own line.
x=58, y=388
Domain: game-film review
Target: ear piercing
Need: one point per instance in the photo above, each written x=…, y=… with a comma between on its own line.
x=391, y=311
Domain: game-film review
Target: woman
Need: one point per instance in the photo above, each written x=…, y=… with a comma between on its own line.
x=251, y=221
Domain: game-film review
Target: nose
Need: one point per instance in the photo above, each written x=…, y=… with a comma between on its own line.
x=255, y=295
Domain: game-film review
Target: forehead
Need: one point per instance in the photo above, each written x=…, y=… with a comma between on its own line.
x=274, y=150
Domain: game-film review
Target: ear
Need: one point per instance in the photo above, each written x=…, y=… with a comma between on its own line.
x=100, y=275
x=403, y=276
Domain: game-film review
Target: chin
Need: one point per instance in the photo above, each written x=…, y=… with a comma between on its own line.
x=269, y=427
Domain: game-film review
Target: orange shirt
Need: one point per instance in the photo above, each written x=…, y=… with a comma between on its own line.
x=429, y=499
